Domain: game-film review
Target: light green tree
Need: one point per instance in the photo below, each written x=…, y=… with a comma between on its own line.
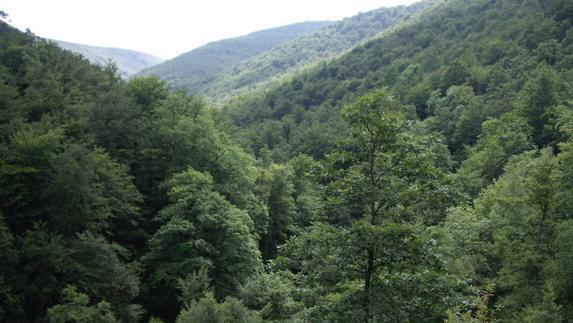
x=76, y=307
x=201, y=229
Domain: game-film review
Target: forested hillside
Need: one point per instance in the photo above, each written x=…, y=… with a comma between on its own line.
x=192, y=71
x=488, y=48
x=424, y=176
x=286, y=59
x=127, y=61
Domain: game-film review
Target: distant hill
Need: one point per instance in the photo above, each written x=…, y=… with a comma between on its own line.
x=193, y=71
x=230, y=67
x=290, y=57
x=128, y=61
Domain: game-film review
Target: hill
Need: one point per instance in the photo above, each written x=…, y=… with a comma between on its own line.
x=287, y=59
x=193, y=70
x=128, y=61
x=492, y=46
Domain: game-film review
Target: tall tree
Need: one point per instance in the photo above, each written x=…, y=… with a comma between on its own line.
x=381, y=181
x=200, y=229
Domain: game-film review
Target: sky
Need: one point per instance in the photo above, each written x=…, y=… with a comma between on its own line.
x=167, y=28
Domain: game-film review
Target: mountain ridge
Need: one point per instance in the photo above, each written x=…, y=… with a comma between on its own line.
x=293, y=57
x=283, y=60
x=194, y=68
x=128, y=61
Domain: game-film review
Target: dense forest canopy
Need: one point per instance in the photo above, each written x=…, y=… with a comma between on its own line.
x=424, y=176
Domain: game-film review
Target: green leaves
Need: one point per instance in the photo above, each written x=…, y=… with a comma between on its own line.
x=206, y=309
x=76, y=308
x=68, y=186
x=538, y=94
x=520, y=236
x=194, y=285
x=202, y=229
x=500, y=139
x=384, y=183
x=97, y=173
x=458, y=116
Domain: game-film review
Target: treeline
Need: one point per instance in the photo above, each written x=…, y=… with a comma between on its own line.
x=423, y=177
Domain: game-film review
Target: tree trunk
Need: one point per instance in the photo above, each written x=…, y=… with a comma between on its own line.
x=367, y=285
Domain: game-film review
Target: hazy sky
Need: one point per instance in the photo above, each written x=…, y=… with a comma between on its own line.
x=170, y=27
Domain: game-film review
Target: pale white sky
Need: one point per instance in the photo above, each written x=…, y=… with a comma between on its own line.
x=167, y=28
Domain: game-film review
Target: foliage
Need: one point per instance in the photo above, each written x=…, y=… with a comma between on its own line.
x=201, y=230
x=480, y=313
x=76, y=308
x=207, y=309
x=390, y=184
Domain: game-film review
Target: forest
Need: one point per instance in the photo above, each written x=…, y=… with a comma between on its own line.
x=425, y=175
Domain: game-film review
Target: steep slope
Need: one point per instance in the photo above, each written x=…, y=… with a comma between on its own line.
x=128, y=61
x=493, y=46
x=288, y=58
x=193, y=70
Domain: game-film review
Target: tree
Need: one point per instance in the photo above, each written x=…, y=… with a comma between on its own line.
x=100, y=270
x=457, y=72
x=383, y=178
x=10, y=302
x=500, y=139
x=375, y=128
x=479, y=313
x=66, y=186
x=458, y=116
x=76, y=308
x=307, y=191
x=514, y=243
x=200, y=304
x=49, y=262
x=546, y=311
x=563, y=10
x=206, y=309
x=194, y=285
x=278, y=191
x=200, y=229
x=272, y=295
x=538, y=94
